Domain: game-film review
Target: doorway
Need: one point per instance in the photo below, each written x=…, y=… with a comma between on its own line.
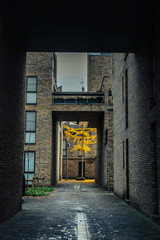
x=80, y=169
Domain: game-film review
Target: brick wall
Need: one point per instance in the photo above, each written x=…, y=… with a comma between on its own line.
x=141, y=180
x=100, y=78
x=40, y=65
x=12, y=74
x=73, y=168
x=98, y=67
x=48, y=148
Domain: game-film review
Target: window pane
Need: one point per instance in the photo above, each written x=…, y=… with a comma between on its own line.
x=30, y=121
x=30, y=126
x=29, y=176
x=64, y=143
x=31, y=98
x=30, y=137
x=26, y=161
x=64, y=153
x=29, y=161
x=30, y=116
x=32, y=84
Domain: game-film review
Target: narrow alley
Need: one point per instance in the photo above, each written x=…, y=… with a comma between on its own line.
x=77, y=210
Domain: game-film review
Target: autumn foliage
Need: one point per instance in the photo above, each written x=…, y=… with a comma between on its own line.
x=82, y=136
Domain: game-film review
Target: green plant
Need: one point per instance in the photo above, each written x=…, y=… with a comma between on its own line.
x=38, y=191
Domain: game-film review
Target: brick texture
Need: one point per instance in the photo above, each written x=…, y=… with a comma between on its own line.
x=12, y=75
x=40, y=65
x=100, y=79
x=48, y=147
x=143, y=174
x=73, y=168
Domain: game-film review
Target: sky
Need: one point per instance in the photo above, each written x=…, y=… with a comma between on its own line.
x=71, y=69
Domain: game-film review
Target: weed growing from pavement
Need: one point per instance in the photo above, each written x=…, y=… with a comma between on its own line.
x=38, y=191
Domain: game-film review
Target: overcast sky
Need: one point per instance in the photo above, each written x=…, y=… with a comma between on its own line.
x=71, y=69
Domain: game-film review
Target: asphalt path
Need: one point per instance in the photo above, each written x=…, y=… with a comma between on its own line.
x=78, y=211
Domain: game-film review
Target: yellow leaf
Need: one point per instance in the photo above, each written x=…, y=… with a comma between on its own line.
x=82, y=135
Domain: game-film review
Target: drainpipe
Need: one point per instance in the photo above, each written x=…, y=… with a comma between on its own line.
x=67, y=145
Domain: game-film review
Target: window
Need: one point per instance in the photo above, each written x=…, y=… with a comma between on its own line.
x=126, y=97
x=31, y=96
x=127, y=169
x=106, y=136
x=123, y=157
x=30, y=133
x=80, y=169
x=29, y=165
x=109, y=92
x=123, y=89
x=64, y=147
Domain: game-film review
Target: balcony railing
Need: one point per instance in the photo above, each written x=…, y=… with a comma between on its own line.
x=78, y=98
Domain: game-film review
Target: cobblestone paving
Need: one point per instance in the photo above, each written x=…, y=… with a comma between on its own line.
x=55, y=217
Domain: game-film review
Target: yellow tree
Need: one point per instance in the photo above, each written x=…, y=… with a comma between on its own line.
x=82, y=136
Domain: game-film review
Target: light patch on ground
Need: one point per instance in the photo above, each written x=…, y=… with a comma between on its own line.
x=82, y=227
x=82, y=181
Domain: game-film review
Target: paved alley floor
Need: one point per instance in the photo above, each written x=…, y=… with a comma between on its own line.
x=79, y=211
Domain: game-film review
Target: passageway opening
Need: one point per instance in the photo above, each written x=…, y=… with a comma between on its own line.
x=95, y=120
x=23, y=28
x=79, y=143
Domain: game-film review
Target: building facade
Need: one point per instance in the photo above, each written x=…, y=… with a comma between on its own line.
x=100, y=79
x=43, y=150
x=40, y=82
x=137, y=125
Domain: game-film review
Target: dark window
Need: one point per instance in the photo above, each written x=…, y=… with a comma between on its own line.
x=30, y=133
x=126, y=97
x=123, y=157
x=31, y=96
x=64, y=147
x=154, y=170
x=123, y=89
x=80, y=169
x=109, y=92
x=106, y=136
x=127, y=170
x=29, y=165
